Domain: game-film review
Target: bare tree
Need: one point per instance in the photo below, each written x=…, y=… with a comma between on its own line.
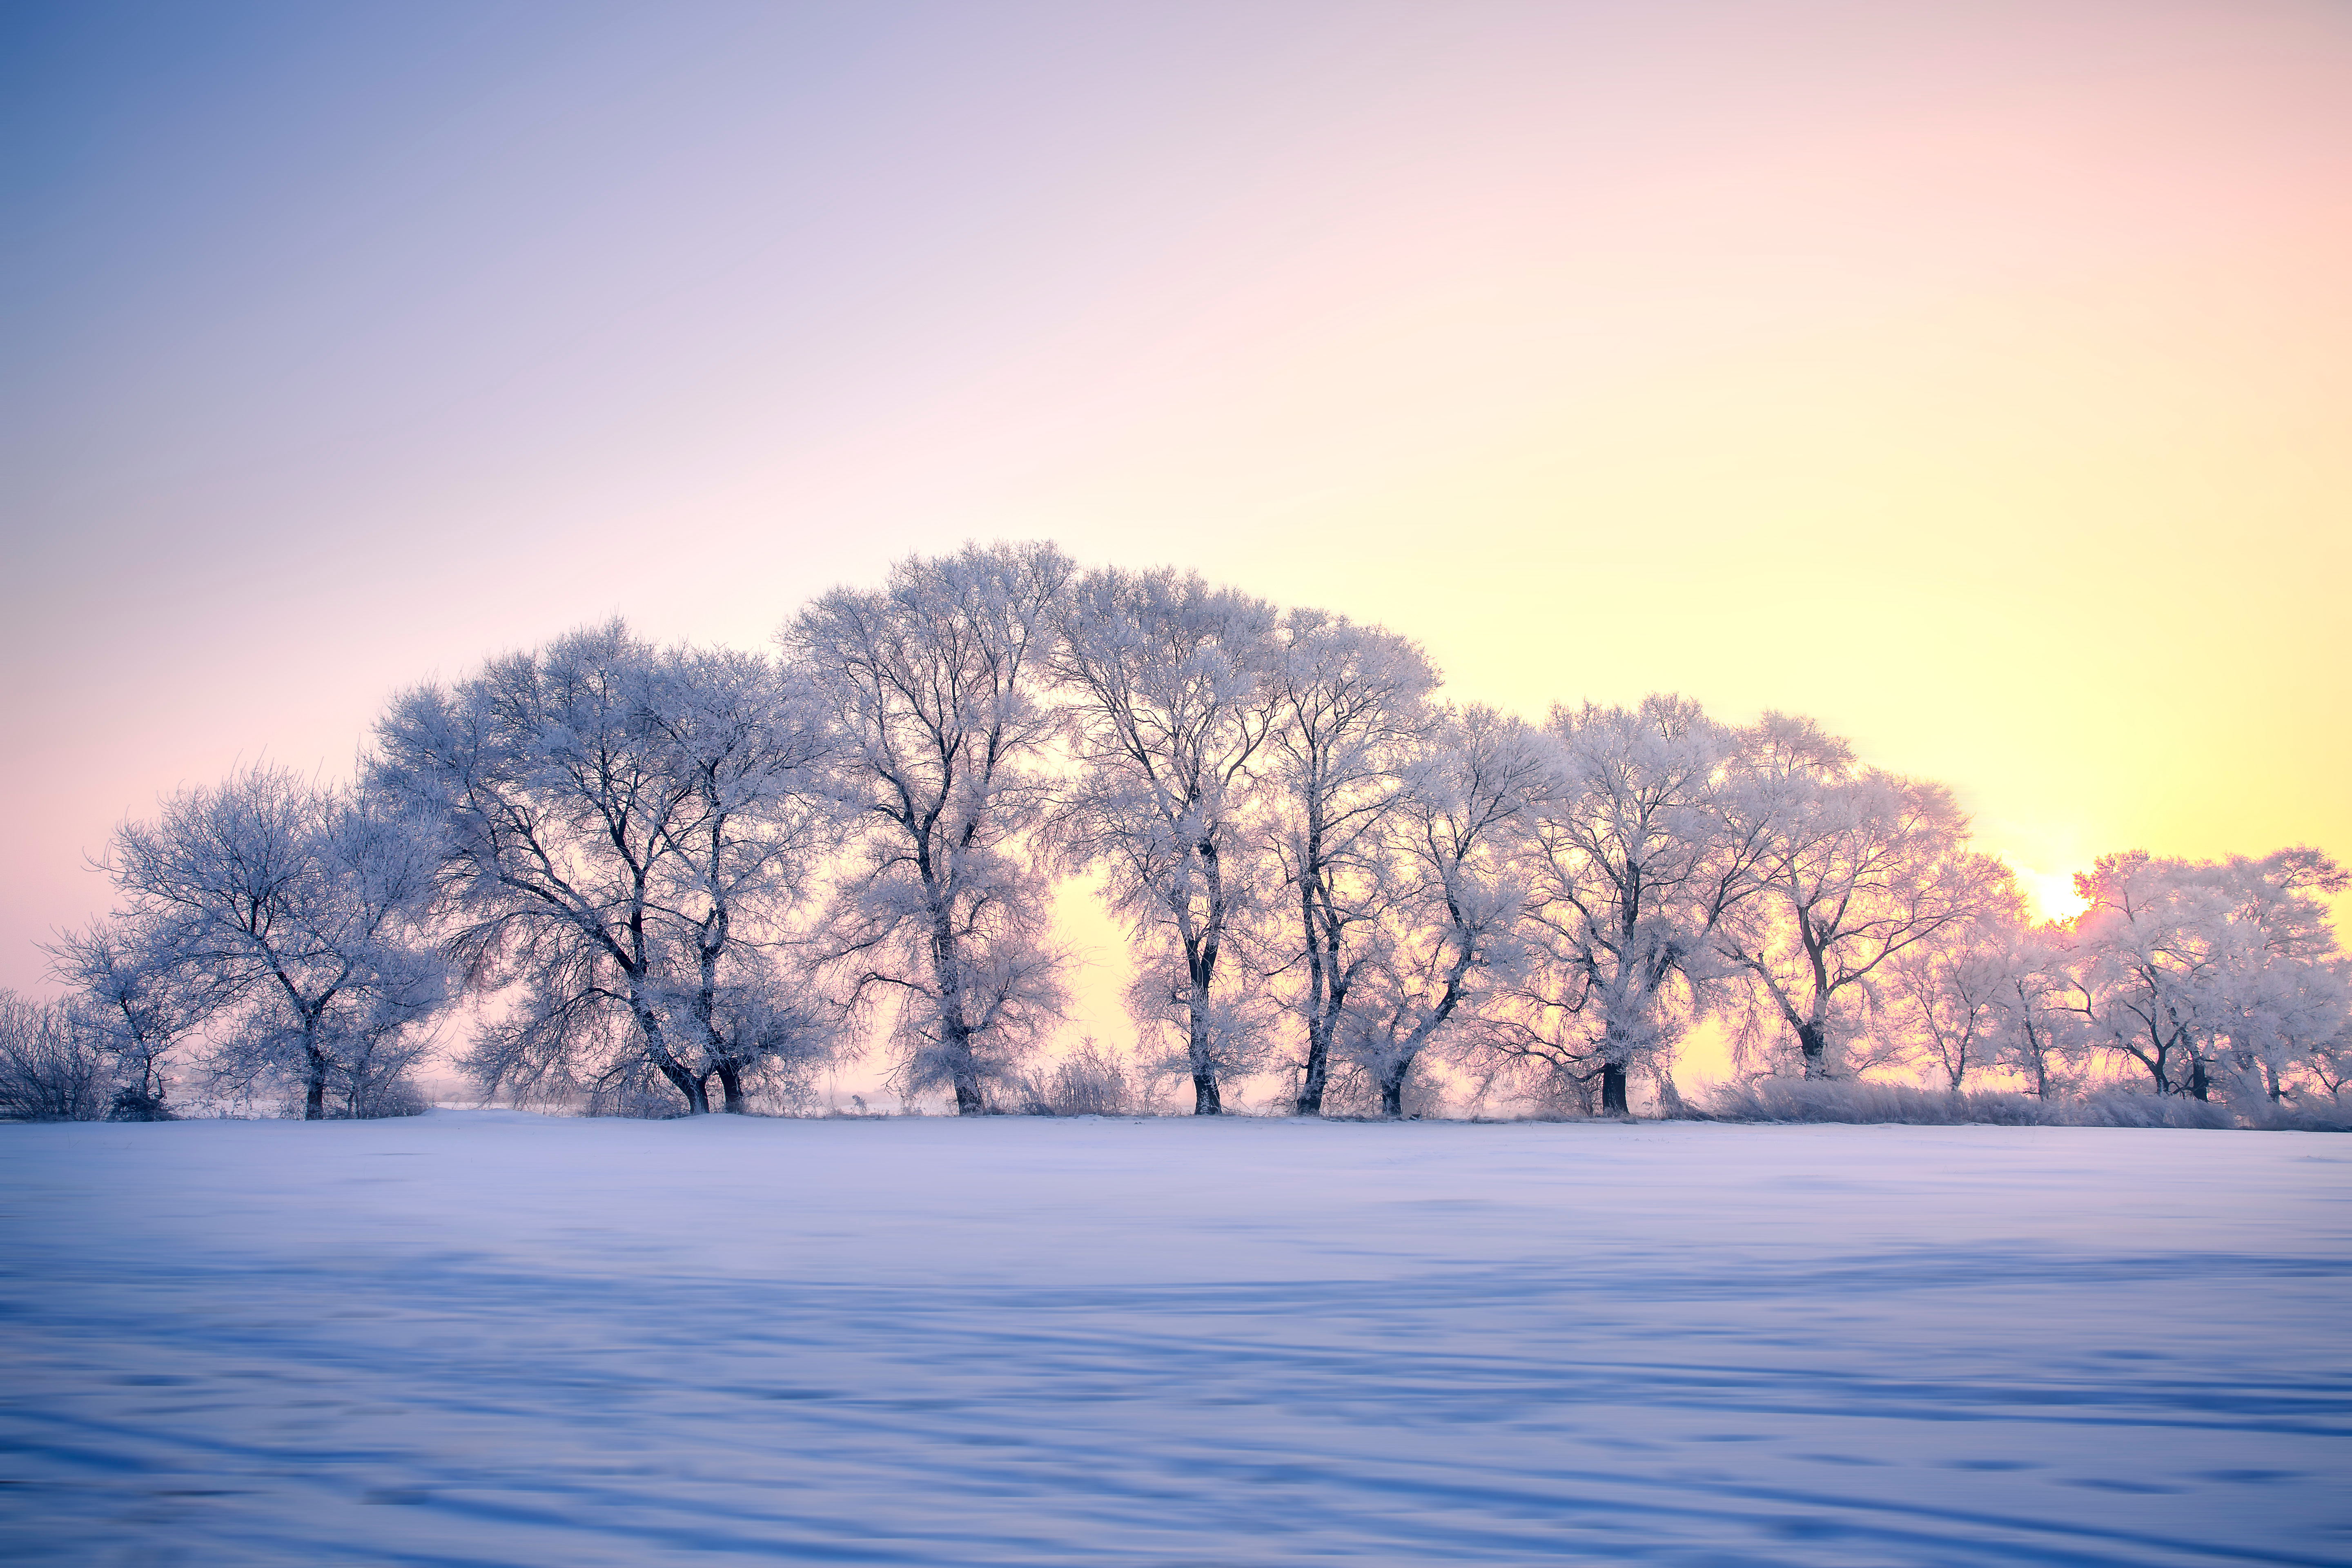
x=932, y=688
x=1854, y=866
x=291, y=911
x=1637, y=864
x=619, y=829
x=1353, y=712
x=1173, y=696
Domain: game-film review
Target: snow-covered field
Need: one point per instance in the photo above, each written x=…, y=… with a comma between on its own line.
x=492, y=1338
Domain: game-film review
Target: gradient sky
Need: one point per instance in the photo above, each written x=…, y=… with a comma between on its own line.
x=1977, y=378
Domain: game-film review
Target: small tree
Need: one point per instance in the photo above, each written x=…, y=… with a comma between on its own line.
x=1949, y=996
x=144, y=1006
x=2037, y=1026
x=287, y=916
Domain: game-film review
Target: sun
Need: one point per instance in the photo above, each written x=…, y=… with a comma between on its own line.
x=2052, y=893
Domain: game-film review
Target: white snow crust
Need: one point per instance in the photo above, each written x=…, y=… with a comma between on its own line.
x=494, y=1338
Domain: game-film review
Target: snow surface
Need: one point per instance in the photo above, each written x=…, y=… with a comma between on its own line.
x=486, y=1337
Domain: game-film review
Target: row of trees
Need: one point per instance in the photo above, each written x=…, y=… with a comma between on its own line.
x=692, y=873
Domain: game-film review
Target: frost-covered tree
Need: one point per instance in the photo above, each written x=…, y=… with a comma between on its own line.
x=2037, y=1026
x=2288, y=1005
x=1949, y=997
x=1853, y=866
x=1637, y=861
x=747, y=739
x=1351, y=715
x=933, y=687
x=2215, y=975
x=1448, y=937
x=1173, y=696
x=290, y=913
x=144, y=1006
x=624, y=833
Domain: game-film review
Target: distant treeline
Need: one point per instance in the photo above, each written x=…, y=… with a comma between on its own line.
x=693, y=877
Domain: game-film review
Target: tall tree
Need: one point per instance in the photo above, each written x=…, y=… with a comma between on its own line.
x=1854, y=866
x=933, y=686
x=1172, y=697
x=746, y=740
x=1637, y=863
x=615, y=823
x=1449, y=934
x=1352, y=714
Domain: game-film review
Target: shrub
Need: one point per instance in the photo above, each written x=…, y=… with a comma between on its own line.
x=388, y=1098
x=1089, y=1081
x=52, y=1067
x=1857, y=1100
x=2123, y=1108
x=133, y=1103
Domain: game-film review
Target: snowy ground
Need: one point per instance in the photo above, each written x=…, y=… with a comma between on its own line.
x=489, y=1338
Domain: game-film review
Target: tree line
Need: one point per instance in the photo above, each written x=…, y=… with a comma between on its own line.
x=691, y=876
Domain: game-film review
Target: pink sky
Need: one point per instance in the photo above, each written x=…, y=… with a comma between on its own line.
x=1976, y=378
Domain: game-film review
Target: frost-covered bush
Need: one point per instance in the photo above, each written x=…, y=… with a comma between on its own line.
x=2319, y=1116
x=637, y=1092
x=1089, y=1081
x=1856, y=1100
x=52, y=1068
x=1355, y=1092
x=2118, y=1108
x=394, y=1097
x=134, y=1103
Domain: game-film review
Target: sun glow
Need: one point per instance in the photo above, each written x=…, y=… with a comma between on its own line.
x=2052, y=893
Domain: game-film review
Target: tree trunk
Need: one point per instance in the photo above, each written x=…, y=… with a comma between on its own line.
x=2199, y=1085
x=1392, y=1090
x=314, y=1087
x=689, y=1087
x=730, y=1083
x=1206, y=1100
x=1612, y=1089
x=1318, y=1072
x=1812, y=1040
x=969, y=1101
x=1670, y=1098
x=1318, y=1035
